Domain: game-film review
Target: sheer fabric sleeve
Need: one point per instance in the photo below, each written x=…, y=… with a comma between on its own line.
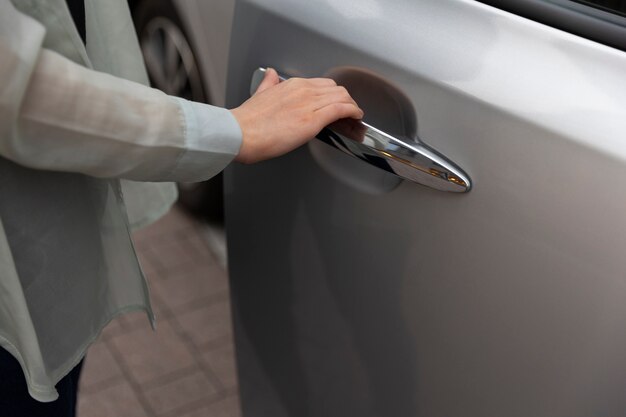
x=60, y=116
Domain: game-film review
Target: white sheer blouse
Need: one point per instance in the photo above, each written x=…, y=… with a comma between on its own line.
x=74, y=124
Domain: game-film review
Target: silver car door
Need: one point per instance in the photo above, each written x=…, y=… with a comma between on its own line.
x=356, y=293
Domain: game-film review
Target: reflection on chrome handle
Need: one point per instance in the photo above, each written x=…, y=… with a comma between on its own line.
x=412, y=160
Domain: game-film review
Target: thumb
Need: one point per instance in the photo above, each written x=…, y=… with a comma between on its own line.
x=271, y=79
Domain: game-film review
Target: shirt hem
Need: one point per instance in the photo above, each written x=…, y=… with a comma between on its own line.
x=44, y=394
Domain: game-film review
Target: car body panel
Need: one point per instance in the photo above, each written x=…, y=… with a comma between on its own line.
x=406, y=301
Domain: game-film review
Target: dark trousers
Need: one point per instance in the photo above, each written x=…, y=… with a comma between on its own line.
x=16, y=402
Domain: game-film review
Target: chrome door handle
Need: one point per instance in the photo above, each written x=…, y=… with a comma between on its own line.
x=412, y=160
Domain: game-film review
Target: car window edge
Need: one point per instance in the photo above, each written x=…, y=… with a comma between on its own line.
x=576, y=18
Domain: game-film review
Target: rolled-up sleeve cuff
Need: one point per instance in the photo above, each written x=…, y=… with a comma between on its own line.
x=212, y=140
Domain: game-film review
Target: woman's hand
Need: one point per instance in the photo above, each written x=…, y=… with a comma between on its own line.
x=282, y=116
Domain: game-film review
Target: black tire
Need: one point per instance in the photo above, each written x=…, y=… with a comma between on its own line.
x=154, y=18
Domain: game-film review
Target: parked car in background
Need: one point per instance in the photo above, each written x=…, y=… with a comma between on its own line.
x=357, y=292
x=186, y=58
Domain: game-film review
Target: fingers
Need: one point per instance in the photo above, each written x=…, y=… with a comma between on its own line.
x=271, y=79
x=337, y=95
x=335, y=111
x=333, y=103
x=332, y=95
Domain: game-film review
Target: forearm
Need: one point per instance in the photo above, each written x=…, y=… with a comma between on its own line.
x=79, y=120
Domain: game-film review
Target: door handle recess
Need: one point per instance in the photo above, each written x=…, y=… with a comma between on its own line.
x=412, y=160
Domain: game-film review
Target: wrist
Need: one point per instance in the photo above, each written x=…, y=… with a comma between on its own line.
x=242, y=156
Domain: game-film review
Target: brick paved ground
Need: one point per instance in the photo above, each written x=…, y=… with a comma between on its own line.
x=186, y=368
